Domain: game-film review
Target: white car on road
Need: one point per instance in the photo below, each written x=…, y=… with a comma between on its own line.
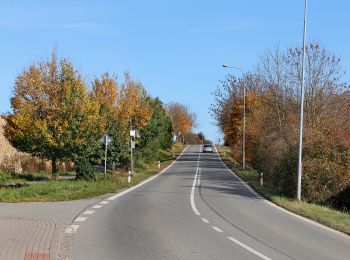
x=207, y=148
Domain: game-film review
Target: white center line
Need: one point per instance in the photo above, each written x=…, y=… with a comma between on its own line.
x=193, y=205
x=89, y=212
x=97, y=206
x=205, y=220
x=217, y=229
x=80, y=219
x=248, y=248
x=198, y=175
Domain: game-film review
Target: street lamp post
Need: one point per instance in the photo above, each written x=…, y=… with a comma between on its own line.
x=301, y=111
x=244, y=114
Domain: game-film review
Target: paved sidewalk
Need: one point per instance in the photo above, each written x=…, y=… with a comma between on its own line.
x=35, y=230
x=29, y=239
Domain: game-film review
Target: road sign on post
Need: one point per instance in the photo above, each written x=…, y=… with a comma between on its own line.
x=106, y=140
x=133, y=134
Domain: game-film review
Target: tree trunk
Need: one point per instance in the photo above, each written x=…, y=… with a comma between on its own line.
x=54, y=168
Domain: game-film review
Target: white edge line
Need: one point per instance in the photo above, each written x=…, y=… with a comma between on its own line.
x=205, y=220
x=283, y=209
x=74, y=228
x=97, y=206
x=217, y=229
x=145, y=181
x=88, y=212
x=80, y=219
x=248, y=248
x=69, y=230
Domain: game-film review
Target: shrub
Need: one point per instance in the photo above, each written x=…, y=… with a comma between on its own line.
x=84, y=169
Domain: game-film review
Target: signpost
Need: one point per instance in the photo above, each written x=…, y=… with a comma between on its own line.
x=106, y=140
x=133, y=134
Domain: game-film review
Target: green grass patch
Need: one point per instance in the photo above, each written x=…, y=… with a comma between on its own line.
x=59, y=190
x=62, y=190
x=8, y=179
x=40, y=176
x=324, y=215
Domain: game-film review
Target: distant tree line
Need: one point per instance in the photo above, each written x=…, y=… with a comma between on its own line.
x=58, y=116
x=184, y=121
x=272, y=104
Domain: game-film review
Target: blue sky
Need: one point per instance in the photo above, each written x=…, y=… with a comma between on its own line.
x=176, y=48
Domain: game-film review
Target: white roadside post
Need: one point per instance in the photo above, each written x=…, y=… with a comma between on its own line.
x=261, y=179
x=129, y=177
x=158, y=164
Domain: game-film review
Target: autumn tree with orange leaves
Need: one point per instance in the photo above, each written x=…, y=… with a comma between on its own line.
x=56, y=117
x=182, y=118
x=272, y=104
x=53, y=116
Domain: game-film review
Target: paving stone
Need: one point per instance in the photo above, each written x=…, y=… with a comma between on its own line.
x=29, y=239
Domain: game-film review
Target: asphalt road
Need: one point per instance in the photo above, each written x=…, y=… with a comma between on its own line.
x=197, y=209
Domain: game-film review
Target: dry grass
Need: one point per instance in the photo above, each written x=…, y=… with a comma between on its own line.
x=6, y=150
x=15, y=162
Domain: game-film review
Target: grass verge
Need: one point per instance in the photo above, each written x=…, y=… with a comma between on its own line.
x=61, y=190
x=329, y=217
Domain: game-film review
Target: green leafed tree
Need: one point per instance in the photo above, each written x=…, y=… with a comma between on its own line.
x=157, y=134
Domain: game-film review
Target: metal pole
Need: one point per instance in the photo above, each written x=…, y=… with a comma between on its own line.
x=131, y=154
x=244, y=114
x=243, y=126
x=105, y=156
x=301, y=111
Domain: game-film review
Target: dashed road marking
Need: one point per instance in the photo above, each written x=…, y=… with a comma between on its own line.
x=217, y=229
x=69, y=230
x=248, y=248
x=97, y=206
x=199, y=177
x=205, y=220
x=88, y=212
x=80, y=219
x=194, y=208
x=104, y=202
x=72, y=229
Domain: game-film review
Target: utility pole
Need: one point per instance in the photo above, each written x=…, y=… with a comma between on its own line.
x=243, y=148
x=244, y=114
x=301, y=110
x=106, y=144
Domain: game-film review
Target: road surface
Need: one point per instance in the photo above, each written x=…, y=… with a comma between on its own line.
x=197, y=209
